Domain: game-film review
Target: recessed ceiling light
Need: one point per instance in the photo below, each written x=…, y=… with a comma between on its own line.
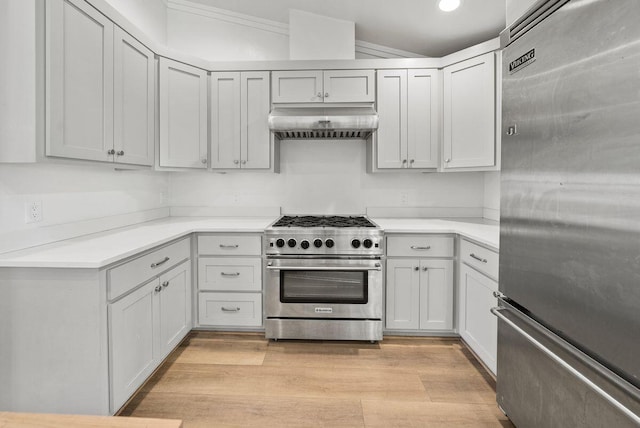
x=448, y=5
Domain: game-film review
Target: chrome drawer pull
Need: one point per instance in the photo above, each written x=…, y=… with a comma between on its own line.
x=229, y=246
x=158, y=288
x=165, y=284
x=413, y=247
x=230, y=273
x=480, y=259
x=228, y=309
x=156, y=264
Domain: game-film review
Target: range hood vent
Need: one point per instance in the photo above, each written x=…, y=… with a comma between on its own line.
x=309, y=123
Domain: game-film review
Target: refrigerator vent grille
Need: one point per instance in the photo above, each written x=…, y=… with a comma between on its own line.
x=540, y=11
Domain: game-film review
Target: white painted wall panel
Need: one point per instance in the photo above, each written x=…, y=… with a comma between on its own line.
x=148, y=16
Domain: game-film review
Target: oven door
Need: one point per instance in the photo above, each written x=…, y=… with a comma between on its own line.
x=323, y=288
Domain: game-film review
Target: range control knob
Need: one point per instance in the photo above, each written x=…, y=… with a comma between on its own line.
x=355, y=243
x=368, y=243
x=317, y=243
x=280, y=243
x=304, y=244
x=329, y=243
x=291, y=242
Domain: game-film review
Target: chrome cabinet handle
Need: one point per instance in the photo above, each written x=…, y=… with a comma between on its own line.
x=236, y=162
x=230, y=273
x=161, y=262
x=412, y=161
x=377, y=266
x=120, y=153
x=425, y=269
x=480, y=259
x=158, y=288
x=244, y=162
x=111, y=152
x=447, y=160
x=413, y=247
x=204, y=160
x=326, y=94
x=404, y=162
x=165, y=284
x=416, y=268
x=230, y=309
x=229, y=246
x=319, y=94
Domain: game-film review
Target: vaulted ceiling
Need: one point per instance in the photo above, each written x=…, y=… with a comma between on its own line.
x=416, y=26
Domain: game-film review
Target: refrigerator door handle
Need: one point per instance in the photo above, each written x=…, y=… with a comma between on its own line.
x=497, y=311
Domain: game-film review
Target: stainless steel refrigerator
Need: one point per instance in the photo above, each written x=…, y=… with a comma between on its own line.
x=569, y=310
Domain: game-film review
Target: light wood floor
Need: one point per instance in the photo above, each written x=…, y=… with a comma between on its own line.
x=243, y=380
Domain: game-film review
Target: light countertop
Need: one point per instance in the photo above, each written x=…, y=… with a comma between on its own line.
x=102, y=249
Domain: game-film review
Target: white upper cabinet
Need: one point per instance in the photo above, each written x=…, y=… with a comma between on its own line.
x=100, y=88
x=134, y=98
x=330, y=86
x=408, y=107
x=79, y=81
x=240, y=136
x=470, y=113
x=183, y=115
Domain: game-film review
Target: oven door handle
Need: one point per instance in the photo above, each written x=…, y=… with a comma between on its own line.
x=377, y=266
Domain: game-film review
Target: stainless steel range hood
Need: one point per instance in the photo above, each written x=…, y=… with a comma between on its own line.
x=304, y=123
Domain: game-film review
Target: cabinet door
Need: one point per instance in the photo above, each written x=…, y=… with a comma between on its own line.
x=133, y=103
x=478, y=326
x=349, y=86
x=132, y=322
x=225, y=120
x=79, y=81
x=255, y=137
x=297, y=86
x=436, y=294
x=392, y=110
x=403, y=291
x=469, y=113
x=183, y=115
x=174, y=307
x=423, y=118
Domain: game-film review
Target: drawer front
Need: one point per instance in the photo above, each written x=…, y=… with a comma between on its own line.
x=230, y=273
x=419, y=246
x=230, y=245
x=123, y=278
x=480, y=258
x=230, y=309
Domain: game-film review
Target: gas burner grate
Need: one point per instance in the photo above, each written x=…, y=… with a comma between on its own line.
x=323, y=221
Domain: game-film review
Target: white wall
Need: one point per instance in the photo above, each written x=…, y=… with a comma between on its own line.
x=218, y=35
x=516, y=8
x=313, y=36
x=323, y=177
x=150, y=16
x=72, y=193
x=492, y=195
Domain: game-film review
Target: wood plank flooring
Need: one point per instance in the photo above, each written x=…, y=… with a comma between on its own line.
x=242, y=380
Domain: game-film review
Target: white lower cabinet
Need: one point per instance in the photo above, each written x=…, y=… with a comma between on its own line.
x=144, y=326
x=477, y=325
x=230, y=280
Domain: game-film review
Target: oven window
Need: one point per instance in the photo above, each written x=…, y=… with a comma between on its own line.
x=300, y=286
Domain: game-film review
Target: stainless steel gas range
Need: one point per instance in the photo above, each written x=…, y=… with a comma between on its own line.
x=324, y=278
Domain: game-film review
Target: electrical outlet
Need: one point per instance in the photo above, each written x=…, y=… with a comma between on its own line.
x=404, y=198
x=33, y=211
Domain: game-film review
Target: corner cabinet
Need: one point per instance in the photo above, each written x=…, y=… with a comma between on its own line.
x=328, y=86
x=419, y=289
x=469, y=125
x=408, y=106
x=100, y=88
x=183, y=115
x=240, y=136
x=477, y=283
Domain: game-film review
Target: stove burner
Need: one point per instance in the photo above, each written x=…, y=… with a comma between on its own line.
x=323, y=221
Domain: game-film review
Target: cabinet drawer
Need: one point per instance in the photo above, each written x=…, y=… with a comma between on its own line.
x=230, y=273
x=420, y=246
x=123, y=278
x=230, y=309
x=482, y=259
x=230, y=245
